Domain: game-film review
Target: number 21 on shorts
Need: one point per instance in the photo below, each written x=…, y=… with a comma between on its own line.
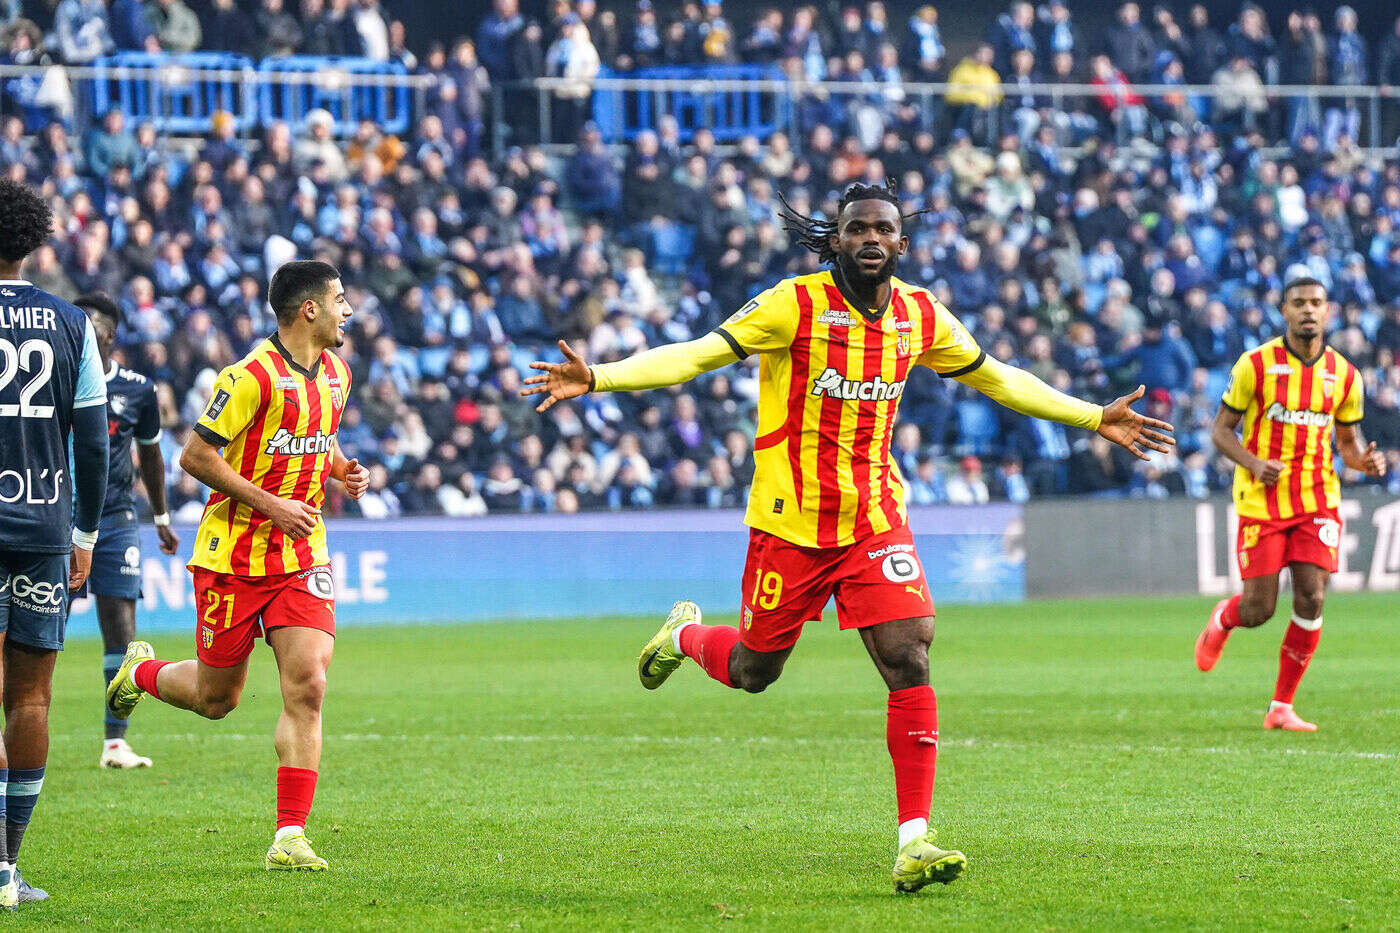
x=212, y=611
x=767, y=589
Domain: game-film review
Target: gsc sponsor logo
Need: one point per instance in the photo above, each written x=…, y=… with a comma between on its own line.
x=831, y=384
x=287, y=444
x=131, y=562
x=42, y=595
x=1304, y=418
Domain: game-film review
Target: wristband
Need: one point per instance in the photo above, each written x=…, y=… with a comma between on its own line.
x=162, y=520
x=592, y=380
x=86, y=540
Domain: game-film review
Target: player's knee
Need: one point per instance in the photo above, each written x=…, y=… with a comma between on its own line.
x=907, y=664
x=756, y=680
x=1307, y=604
x=1257, y=611
x=308, y=693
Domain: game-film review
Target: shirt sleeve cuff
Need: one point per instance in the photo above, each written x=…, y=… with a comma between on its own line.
x=213, y=437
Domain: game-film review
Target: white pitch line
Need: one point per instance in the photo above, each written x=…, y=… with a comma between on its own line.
x=683, y=740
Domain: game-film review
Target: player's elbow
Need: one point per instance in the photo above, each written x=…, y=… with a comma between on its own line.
x=192, y=460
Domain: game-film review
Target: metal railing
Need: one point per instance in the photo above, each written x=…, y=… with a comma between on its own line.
x=526, y=111
x=167, y=86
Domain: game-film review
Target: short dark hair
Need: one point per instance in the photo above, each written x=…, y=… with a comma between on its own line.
x=295, y=282
x=1298, y=282
x=26, y=222
x=102, y=303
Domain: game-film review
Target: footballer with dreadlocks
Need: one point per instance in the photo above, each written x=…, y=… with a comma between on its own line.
x=826, y=510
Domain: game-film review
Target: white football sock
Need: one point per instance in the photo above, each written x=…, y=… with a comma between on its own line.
x=288, y=831
x=1307, y=625
x=676, y=635
x=912, y=829
x=1276, y=705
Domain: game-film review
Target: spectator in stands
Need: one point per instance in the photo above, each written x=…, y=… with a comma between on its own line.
x=1249, y=36
x=228, y=29
x=1388, y=77
x=1240, y=98
x=974, y=92
x=1347, y=64
x=279, y=33
x=82, y=30
x=1303, y=60
x=372, y=28
x=111, y=145
x=318, y=147
x=176, y=27
x=131, y=26
x=327, y=31
x=968, y=486
x=926, y=50
x=1129, y=45
x=572, y=57
x=1207, y=48
x=1010, y=33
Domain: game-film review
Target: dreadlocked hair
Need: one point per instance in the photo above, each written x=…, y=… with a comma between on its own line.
x=815, y=235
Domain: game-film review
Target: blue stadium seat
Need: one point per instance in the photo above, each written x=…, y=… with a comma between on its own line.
x=178, y=93
x=674, y=244
x=337, y=92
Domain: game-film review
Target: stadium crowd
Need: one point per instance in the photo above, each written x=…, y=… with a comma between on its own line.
x=1064, y=242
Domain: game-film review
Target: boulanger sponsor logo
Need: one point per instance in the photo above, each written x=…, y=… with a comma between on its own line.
x=832, y=384
x=1311, y=419
x=319, y=583
x=900, y=568
x=1328, y=532
x=890, y=549
x=37, y=595
x=287, y=444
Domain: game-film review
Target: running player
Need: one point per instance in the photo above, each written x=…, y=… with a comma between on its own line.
x=826, y=508
x=265, y=445
x=1289, y=393
x=51, y=389
x=132, y=412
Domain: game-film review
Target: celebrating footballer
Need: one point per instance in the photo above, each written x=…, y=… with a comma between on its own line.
x=826, y=509
x=266, y=445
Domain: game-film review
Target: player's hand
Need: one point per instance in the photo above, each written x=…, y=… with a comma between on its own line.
x=568, y=379
x=1373, y=461
x=1267, y=471
x=296, y=519
x=1132, y=431
x=78, y=568
x=356, y=479
x=169, y=540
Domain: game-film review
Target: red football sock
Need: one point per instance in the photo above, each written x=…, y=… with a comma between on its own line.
x=296, y=787
x=1230, y=615
x=145, y=676
x=911, y=733
x=711, y=646
x=1298, y=647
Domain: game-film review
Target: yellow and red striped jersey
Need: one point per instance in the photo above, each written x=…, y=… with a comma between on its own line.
x=276, y=423
x=830, y=380
x=1289, y=405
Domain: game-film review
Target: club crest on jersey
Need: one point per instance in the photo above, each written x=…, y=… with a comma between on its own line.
x=287, y=444
x=1302, y=417
x=831, y=384
x=901, y=344
x=337, y=399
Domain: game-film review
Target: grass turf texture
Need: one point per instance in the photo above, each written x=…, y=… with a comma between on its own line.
x=516, y=775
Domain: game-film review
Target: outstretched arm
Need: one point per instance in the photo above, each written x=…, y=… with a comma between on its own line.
x=650, y=369
x=1023, y=392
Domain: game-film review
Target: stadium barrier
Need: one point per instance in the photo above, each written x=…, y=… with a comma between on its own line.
x=178, y=93
x=338, y=90
x=739, y=109
x=1118, y=547
x=181, y=93
x=524, y=111
x=572, y=566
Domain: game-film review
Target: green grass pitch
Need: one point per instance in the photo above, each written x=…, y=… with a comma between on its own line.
x=516, y=776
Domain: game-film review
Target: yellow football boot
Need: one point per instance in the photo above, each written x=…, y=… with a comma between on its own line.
x=122, y=692
x=293, y=853
x=659, y=658
x=920, y=862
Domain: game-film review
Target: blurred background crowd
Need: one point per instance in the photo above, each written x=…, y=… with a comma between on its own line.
x=1101, y=240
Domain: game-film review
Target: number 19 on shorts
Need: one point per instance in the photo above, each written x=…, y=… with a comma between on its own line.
x=767, y=589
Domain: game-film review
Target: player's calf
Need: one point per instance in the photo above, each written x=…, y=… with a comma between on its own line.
x=755, y=671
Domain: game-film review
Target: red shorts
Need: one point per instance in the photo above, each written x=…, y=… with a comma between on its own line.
x=1266, y=545
x=233, y=610
x=878, y=579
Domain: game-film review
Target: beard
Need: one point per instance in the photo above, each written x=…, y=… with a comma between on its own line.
x=858, y=276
